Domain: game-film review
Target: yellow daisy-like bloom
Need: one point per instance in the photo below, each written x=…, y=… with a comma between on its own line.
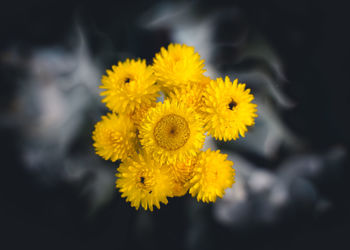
x=212, y=175
x=182, y=173
x=228, y=109
x=144, y=182
x=177, y=66
x=191, y=95
x=129, y=86
x=139, y=114
x=114, y=137
x=171, y=132
x=204, y=82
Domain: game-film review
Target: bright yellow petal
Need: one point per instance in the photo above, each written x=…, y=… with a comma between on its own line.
x=212, y=175
x=129, y=86
x=177, y=66
x=144, y=182
x=228, y=109
x=191, y=95
x=114, y=137
x=182, y=173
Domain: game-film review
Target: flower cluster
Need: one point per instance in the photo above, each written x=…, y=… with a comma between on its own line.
x=159, y=142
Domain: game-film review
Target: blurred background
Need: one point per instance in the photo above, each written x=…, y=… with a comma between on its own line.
x=292, y=172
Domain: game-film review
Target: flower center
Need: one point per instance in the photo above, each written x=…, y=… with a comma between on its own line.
x=171, y=132
x=232, y=104
x=145, y=185
x=128, y=78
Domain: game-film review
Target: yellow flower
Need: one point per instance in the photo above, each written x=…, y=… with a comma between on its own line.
x=191, y=95
x=139, y=114
x=182, y=174
x=160, y=143
x=212, y=175
x=177, y=66
x=228, y=109
x=114, y=137
x=144, y=182
x=171, y=132
x=129, y=86
x=204, y=82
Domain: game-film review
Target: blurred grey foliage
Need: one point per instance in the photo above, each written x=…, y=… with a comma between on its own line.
x=57, y=101
x=262, y=197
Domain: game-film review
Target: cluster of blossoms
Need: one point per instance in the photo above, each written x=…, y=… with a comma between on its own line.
x=159, y=142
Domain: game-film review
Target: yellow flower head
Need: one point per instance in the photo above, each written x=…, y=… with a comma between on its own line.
x=177, y=66
x=171, y=132
x=212, y=175
x=139, y=114
x=144, y=182
x=182, y=174
x=203, y=82
x=228, y=109
x=129, y=86
x=114, y=137
x=191, y=95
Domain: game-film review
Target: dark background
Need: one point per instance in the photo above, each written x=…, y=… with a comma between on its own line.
x=44, y=207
